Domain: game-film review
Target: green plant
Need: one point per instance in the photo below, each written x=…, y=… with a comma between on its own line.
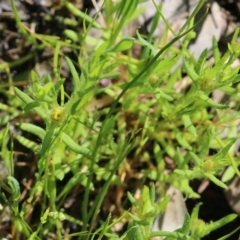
x=97, y=147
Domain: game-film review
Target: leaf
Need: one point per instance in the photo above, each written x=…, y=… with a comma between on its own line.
x=47, y=141
x=127, y=8
x=137, y=232
x=183, y=185
x=204, y=145
x=194, y=214
x=221, y=222
x=196, y=159
x=33, y=129
x=186, y=225
x=133, y=201
x=152, y=193
x=4, y=133
x=164, y=66
x=189, y=125
x=28, y=143
x=108, y=126
x=72, y=145
x=123, y=45
x=160, y=94
x=26, y=99
x=34, y=76
x=154, y=26
x=228, y=174
x=183, y=142
x=30, y=106
x=215, y=180
x=147, y=44
x=14, y=184
x=201, y=62
x=230, y=234
x=76, y=78
x=74, y=36
x=223, y=152
x=218, y=68
x=163, y=204
x=82, y=15
x=147, y=208
x=190, y=71
x=210, y=102
x=58, y=84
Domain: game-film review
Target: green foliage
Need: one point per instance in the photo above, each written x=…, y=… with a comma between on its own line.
x=150, y=116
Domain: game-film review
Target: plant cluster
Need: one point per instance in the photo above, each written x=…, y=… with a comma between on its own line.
x=105, y=140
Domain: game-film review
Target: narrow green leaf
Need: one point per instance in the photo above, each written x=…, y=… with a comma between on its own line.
x=221, y=222
x=123, y=45
x=4, y=133
x=154, y=25
x=184, y=173
x=58, y=84
x=26, y=99
x=47, y=141
x=108, y=126
x=30, y=106
x=81, y=14
x=126, y=9
x=23, y=96
x=164, y=66
x=229, y=156
x=196, y=159
x=201, y=61
x=195, y=213
x=215, y=180
x=152, y=193
x=137, y=232
x=193, y=14
x=72, y=145
x=189, y=125
x=230, y=234
x=223, y=152
x=163, y=204
x=204, y=145
x=14, y=184
x=74, y=36
x=228, y=174
x=133, y=201
x=190, y=71
x=219, y=66
x=33, y=129
x=160, y=94
x=20, y=26
x=146, y=44
x=210, y=102
x=182, y=140
x=186, y=225
x=34, y=76
x=235, y=36
x=147, y=204
x=28, y=143
x=76, y=78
